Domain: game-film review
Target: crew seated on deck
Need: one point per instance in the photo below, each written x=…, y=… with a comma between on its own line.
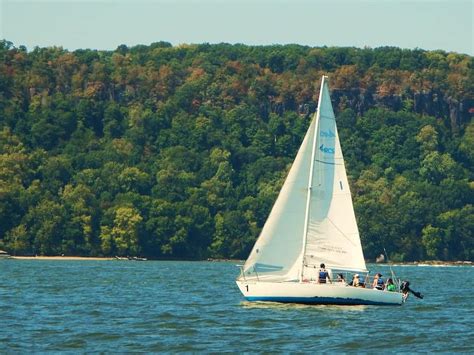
x=340, y=278
x=390, y=286
x=323, y=275
x=357, y=281
x=378, y=282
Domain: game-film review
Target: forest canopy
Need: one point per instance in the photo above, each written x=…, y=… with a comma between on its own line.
x=179, y=151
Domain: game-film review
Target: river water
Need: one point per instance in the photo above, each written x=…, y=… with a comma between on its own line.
x=127, y=306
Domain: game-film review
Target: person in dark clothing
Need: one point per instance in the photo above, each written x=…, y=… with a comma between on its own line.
x=340, y=278
x=323, y=275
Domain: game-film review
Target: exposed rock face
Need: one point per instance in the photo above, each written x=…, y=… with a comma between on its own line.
x=433, y=103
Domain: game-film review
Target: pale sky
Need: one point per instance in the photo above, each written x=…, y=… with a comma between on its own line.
x=73, y=24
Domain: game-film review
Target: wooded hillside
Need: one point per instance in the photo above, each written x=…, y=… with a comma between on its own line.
x=179, y=152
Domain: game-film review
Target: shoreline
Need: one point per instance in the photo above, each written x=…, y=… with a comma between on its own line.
x=433, y=263
x=103, y=258
x=97, y=258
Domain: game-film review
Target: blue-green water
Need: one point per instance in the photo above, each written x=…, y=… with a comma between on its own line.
x=120, y=306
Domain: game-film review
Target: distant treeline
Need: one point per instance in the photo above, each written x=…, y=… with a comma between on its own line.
x=179, y=152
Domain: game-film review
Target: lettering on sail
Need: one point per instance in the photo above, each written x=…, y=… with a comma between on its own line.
x=333, y=249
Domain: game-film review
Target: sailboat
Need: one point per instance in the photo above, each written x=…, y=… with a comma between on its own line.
x=311, y=223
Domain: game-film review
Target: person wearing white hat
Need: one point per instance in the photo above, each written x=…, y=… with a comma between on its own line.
x=355, y=281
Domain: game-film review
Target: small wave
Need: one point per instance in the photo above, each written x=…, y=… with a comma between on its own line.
x=167, y=315
x=331, y=323
x=351, y=345
x=408, y=339
x=70, y=344
x=427, y=308
x=459, y=299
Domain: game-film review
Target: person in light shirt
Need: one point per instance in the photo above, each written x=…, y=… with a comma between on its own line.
x=378, y=283
x=357, y=281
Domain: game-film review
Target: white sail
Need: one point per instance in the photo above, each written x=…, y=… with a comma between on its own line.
x=278, y=247
x=322, y=229
x=332, y=235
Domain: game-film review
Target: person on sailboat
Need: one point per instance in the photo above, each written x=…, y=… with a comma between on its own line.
x=357, y=281
x=378, y=282
x=323, y=275
x=390, y=285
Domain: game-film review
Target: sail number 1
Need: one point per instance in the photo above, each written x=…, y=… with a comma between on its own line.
x=247, y=287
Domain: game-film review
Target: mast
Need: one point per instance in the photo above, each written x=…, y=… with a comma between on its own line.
x=308, y=196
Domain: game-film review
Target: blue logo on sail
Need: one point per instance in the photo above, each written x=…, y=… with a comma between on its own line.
x=327, y=134
x=326, y=149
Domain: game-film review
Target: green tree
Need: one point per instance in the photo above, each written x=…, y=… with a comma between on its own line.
x=122, y=236
x=432, y=241
x=18, y=240
x=46, y=223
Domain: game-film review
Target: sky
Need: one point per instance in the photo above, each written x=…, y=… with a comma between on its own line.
x=106, y=24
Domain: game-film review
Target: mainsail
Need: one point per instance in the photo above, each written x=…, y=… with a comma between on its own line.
x=312, y=220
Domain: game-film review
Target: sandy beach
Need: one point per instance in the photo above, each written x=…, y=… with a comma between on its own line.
x=59, y=258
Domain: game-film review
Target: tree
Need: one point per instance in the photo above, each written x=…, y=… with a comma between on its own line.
x=432, y=241
x=18, y=240
x=81, y=225
x=122, y=236
x=46, y=223
x=428, y=138
x=436, y=166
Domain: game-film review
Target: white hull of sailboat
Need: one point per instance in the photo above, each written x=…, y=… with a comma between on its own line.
x=313, y=293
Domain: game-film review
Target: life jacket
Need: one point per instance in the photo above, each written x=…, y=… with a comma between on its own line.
x=380, y=284
x=391, y=287
x=322, y=276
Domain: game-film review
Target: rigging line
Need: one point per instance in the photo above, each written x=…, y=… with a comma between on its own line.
x=394, y=278
x=343, y=234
